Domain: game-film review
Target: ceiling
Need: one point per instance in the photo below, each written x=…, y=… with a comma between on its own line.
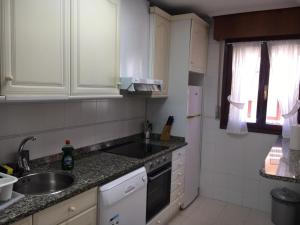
x=222, y=7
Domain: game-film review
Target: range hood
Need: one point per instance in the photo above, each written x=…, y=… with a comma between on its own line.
x=132, y=84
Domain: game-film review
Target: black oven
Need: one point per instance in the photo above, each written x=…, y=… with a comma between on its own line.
x=159, y=185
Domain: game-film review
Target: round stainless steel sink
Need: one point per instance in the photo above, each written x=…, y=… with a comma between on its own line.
x=43, y=183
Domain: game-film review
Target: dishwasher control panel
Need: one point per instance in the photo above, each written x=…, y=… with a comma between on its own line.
x=114, y=220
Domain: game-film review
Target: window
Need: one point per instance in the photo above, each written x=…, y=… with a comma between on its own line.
x=260, y=86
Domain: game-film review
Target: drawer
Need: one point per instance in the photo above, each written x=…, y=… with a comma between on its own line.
x=88, y=217
x=176, y=194
x=26, y=221
x=177, y=184
x=180, y=153
x=66, y=209
x=175, y=208
x=177, y=174
x=178, y=164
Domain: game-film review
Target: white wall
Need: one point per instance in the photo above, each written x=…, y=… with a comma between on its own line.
x=83, y=122
x=230, y=164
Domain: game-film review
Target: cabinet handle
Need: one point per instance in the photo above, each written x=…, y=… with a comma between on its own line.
x=9, y=78
x=72, y=209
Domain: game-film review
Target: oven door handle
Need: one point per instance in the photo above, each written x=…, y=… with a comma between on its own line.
x=151, y=178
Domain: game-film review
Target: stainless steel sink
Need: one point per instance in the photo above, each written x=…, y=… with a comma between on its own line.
x=43, y=183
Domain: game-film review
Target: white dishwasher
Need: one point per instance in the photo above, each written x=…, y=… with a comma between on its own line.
x=123, y=201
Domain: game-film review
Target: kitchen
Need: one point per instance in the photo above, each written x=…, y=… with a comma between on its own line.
x=139, y=96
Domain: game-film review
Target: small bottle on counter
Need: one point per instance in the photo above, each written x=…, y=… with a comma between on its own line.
x=67, y=162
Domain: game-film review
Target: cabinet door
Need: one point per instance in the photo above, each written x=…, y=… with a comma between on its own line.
x=66, y=209
x=160, y=51
x=95, y=47
x=35, y=54
x=88, y=217
x=198, y=47
x=26, y=221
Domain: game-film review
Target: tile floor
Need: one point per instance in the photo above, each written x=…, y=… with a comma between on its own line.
x=205, y=211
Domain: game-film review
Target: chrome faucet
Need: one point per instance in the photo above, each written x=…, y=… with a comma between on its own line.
x=23, y=155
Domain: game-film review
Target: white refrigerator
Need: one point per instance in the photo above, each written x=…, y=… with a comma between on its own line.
x=193, y=138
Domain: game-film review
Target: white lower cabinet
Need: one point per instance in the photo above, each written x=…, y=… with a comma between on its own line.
x=88, y=217
x=26, y=221
x=175, y=207
x=177, y=180
x=177, y=189
x=70, y=212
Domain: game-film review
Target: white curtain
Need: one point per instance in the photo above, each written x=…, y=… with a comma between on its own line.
x=245, y=75
x=285, y=74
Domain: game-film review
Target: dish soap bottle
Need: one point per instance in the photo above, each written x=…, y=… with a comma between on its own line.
x=67, y=162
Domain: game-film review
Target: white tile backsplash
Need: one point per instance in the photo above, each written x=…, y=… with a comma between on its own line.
x=83, y=122
x=230, y=164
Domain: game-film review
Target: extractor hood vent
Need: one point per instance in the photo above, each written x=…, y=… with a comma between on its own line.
x=130, y=84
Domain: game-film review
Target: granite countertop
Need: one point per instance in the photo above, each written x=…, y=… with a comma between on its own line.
x=282, y=163
x=93, y=169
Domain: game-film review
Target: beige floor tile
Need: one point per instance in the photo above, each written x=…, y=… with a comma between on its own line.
x=178, y=220
x=257, y=218
x=234, y=215
x=205, y=211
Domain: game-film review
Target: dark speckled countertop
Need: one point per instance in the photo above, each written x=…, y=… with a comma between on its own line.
x=93, y=168
x=282, y=163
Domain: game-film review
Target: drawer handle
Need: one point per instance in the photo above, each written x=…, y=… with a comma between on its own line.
x=129, y=189
x=72, y=209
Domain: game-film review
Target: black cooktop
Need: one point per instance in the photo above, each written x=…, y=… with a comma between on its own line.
x=136, y=149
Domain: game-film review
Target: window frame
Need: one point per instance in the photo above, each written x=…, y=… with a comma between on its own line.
x=260, y=126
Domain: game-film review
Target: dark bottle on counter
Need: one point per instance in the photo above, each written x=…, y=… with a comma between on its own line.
x=67, y=162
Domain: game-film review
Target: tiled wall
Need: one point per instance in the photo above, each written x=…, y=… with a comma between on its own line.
x=230, y=164
x=83, y=122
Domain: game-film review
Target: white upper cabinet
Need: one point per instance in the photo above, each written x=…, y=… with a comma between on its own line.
x=95, y=47
x=198, y=46
x=160, y=47
x=35, y=47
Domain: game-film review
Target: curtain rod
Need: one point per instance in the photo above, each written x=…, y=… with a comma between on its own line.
x=230, y=43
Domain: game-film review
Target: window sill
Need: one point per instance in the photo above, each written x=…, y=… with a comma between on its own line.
x=267, y=129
